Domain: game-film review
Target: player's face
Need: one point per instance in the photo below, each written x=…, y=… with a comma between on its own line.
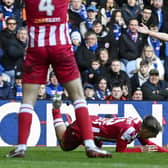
x=146, y=134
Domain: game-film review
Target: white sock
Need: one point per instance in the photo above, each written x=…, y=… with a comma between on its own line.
x=21, y=147
x=89, y=143
x=58, y=122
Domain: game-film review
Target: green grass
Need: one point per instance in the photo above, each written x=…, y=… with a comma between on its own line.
x=50, y=157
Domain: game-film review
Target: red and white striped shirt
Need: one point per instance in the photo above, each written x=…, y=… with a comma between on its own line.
x=47, y=22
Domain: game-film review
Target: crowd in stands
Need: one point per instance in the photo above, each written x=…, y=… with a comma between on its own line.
x=116, y=62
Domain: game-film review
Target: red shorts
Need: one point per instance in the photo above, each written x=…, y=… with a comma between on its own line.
x=72, y=138
x=38, y=60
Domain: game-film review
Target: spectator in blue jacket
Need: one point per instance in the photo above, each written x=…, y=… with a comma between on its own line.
x=53, y=87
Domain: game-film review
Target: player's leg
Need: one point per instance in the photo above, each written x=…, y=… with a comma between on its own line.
x=25, y=118
x=75, y=91
x=34, y=73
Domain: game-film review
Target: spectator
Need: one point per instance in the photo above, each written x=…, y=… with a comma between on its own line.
x=126, y=93
x=131, y=44
x=141, y=76
x=154, y=42
x=116, y=93
x=137, y=94
x=10, y=54
x=103, y=36
x=10, y=9
x=76, y=40
x=53, y=87
x=116, y=75
x=42, y=93
x=77, y=13
x=20, y=44
x=130, y=10
x=153, y=61
x=116, y=27
x=154, y=88
x=5, y=89
x=87, y=51
x=104, y=59
x=146, y=17
x=106, y=11
x=92, y=74
x=87, y=25
x=102, y=89
x=89, y=92
x=18, y=90
x=161, y=13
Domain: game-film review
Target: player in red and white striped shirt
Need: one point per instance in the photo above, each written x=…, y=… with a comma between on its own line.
x=120, y=130
x=49, y=43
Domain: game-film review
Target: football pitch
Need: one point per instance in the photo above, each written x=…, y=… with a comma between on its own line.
x=50, y=157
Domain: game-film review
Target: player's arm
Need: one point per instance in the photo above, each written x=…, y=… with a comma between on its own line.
x=144, y=29
x=149, y=146
x=125, y=138
x=122, y=147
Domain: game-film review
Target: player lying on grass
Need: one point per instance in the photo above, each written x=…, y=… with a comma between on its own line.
x=120, y=130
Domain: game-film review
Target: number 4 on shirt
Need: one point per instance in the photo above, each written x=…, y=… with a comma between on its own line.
x=46, y=6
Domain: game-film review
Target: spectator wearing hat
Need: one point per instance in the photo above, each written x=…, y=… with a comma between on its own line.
x=137, y=94
x=154, y=88
x=87, y=25
x=6, y=91
x=76, y=39
x=141, y=76
x=89, y=92
x=53, y=87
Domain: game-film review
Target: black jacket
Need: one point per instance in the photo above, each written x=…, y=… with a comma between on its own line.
x=155, y=92
x=129, y=49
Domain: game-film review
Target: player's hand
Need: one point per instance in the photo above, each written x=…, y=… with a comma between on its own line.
x=143, y=29
x=149, y=148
